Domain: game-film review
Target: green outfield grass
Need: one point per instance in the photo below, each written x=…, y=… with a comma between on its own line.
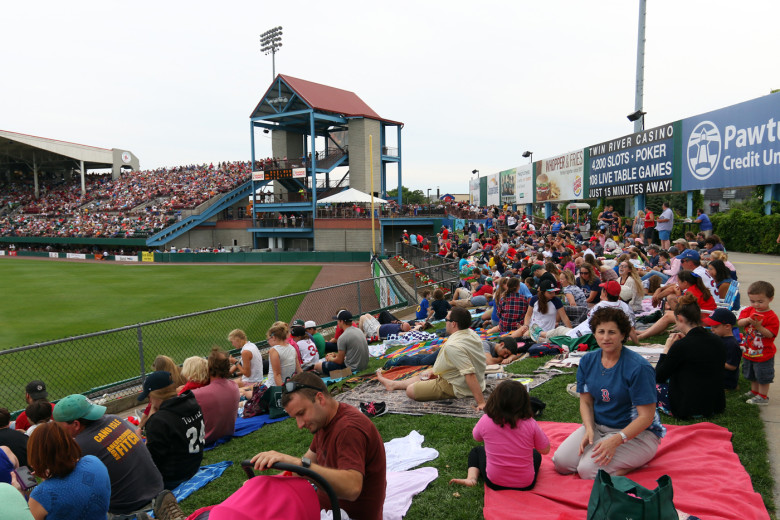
x=45, y=300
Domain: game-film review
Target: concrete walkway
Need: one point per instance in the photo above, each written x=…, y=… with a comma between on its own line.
x=751, y=268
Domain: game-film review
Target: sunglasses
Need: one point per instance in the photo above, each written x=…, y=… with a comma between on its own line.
x=291, y=386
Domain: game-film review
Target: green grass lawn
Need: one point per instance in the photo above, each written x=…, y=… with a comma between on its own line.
x=45, y=300
x=52, y=300
x=452, y=437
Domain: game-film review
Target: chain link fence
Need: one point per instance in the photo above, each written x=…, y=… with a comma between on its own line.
x=115, y=361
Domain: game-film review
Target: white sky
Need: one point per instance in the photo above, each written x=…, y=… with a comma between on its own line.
x=476, y=83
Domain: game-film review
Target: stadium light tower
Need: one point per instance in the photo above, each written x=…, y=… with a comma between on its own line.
x=270, y=42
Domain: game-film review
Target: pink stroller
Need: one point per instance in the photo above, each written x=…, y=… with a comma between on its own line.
x=273, y=497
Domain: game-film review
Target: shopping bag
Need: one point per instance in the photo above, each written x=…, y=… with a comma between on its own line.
x=619, y=498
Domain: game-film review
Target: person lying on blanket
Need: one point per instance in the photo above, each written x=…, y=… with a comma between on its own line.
x=373, y=329
x=459, y=369
x=503, y=351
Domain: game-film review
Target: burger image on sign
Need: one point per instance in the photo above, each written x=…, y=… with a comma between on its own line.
x=542, y=187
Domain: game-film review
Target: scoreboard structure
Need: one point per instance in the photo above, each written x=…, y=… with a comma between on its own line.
x=283, y=173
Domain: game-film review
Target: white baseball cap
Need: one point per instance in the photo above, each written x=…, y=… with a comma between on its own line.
x=310, y=325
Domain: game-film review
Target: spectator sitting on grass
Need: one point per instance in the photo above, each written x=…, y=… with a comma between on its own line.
x=135, y=480
x=195, y=370
x=250, y=366
x=34, y=391
x=38, y=412
x=166, y=364
x=503, y=351
x=352, y=347
x=439, y=306
x=218, y=399
x=458, y=374
x=306, y=347
x=15, y=440
x=316, y=337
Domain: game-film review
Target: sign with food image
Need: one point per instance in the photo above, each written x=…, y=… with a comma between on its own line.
x=493, y=190
x=560, y=178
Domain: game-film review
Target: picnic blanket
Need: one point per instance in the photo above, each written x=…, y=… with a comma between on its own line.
x=204, y=475
x=423, y=347
x=708, y=479
x=244, y=426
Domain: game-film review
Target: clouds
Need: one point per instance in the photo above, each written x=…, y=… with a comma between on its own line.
x=475, y=84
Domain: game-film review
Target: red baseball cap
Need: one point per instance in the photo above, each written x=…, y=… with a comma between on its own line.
x=612, y=287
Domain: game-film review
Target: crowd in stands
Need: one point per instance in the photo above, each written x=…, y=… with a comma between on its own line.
x=137, y=204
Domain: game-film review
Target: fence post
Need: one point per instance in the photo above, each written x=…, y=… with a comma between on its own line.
x=141, y=354
x=360, y=305
x=414, y=282
x=276, y=309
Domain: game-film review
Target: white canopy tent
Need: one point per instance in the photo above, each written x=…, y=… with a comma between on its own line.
x=350, y=196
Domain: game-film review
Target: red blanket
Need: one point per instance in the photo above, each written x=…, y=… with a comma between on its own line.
x=709, y=481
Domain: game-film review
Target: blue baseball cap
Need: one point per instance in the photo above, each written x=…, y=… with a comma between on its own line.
x=689, y=254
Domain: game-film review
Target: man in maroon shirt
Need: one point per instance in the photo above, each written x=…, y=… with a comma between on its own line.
x=346, y=450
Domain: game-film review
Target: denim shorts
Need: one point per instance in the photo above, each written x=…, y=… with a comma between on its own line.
x=762, y=372
x=664, y=235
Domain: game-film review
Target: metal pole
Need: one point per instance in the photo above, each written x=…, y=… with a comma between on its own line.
x=640, y=66
x=141, y=354
x=414, y=279
x=276, y=309
x=360, y=306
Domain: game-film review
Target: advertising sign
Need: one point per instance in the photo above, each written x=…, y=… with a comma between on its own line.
x=734, y=146
x=507, y=181
x=483, y=191
x=474, y=190
x=634, y=164
x=560, y=178
x=299, y=173
x=258, y=175
x=524, y=188
x=493, y=197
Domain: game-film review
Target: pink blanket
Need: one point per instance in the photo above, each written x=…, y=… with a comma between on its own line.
x=709, y=481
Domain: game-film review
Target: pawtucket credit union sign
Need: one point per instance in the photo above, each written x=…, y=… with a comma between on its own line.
x=734, y=146
x=635, y=164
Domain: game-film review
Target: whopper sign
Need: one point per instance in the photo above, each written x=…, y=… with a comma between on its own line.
x=635, y=164
x=560, y=177
x=734, y=146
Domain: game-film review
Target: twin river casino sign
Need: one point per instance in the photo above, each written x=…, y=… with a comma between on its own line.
x=635, y=164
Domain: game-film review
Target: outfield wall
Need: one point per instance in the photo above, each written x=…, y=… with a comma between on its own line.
x=281, y=257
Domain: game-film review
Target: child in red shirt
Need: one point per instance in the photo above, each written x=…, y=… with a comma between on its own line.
x=761, y=326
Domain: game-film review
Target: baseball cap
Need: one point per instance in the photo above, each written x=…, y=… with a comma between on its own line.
x=77, y=406
x=488, y=280
x=297, y=323
x=612, y=287
x=719, y=317
x=343, y=315
x=155, y=381
x=310, y=325
x=36, y=390
x=547, y=286
x=689, y=254
x=535, y=267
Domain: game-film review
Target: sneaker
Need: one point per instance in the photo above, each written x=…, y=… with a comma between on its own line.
x=535, y=331
x=166, y=507
x=757, y=399
x=749, y=394
x=373, y=409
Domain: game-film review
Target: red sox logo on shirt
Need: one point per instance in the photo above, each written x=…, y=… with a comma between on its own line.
x=605, y=395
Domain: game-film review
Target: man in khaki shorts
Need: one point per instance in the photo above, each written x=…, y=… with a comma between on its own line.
x=459, y=370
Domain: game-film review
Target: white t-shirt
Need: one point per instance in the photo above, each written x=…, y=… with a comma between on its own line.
x=309, y=353
x=584, y=327
x=666, y=226
x=256, y=365
x=545, y=321
x=709, y=283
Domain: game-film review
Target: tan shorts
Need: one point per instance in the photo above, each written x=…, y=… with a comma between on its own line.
x=433, y=390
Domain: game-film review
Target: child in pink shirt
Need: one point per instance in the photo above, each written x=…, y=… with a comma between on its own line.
x=514, y=443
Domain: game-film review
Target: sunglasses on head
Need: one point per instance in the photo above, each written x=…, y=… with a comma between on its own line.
x=291, y=386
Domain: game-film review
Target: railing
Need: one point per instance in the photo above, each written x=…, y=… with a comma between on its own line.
x=440, y=271
x=285, y=222
x=92, y=363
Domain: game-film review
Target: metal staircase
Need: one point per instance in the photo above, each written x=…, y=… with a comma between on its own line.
x=179, y=228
